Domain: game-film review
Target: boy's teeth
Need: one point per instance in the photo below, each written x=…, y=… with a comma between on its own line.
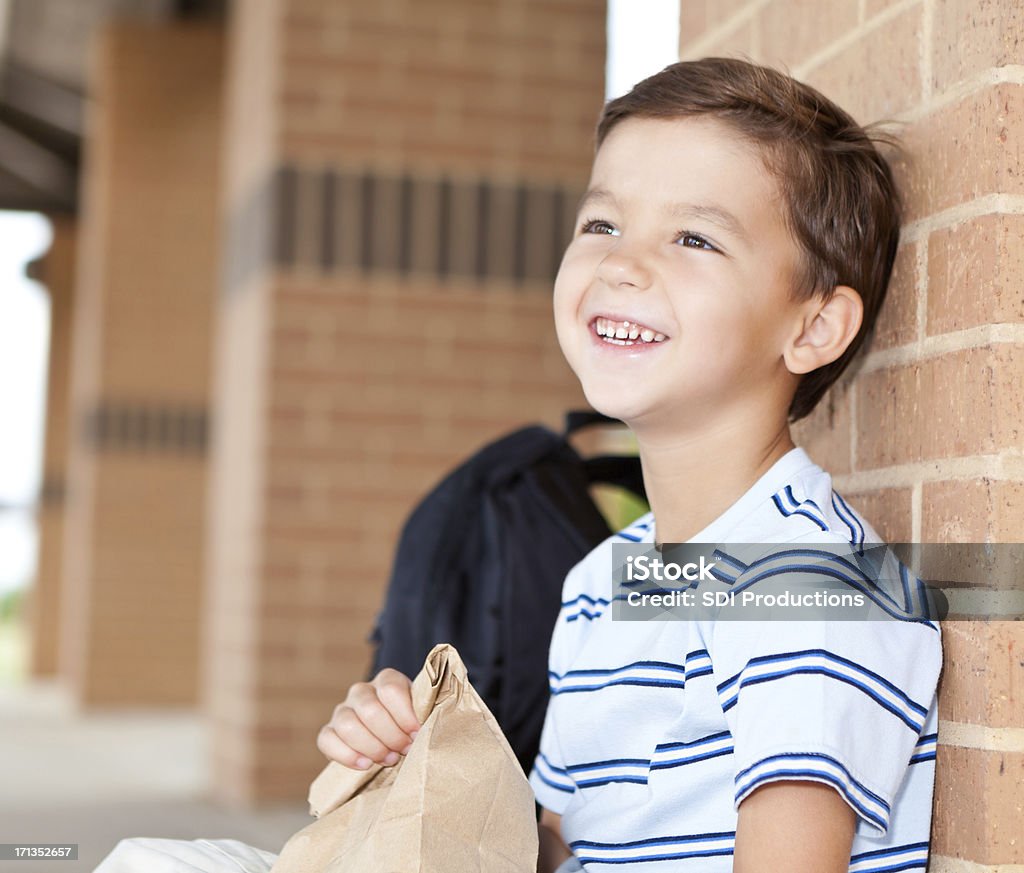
x=626, y=332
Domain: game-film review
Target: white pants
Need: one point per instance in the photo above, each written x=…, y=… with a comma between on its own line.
x=150, y=855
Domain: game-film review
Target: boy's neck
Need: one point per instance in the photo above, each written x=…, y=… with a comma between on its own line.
x=691, y=481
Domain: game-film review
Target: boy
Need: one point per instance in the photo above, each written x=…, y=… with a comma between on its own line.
x=730, y=255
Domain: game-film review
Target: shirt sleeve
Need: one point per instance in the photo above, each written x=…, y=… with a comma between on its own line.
x=550, y=779
x=552, y=785
x=841, y=702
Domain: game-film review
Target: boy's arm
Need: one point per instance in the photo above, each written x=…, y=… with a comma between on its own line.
x=553, y=851
x=796, y=826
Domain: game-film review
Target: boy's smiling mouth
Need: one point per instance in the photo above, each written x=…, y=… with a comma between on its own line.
x=625, y=333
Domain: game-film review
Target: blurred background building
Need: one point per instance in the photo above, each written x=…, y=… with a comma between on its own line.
x=300, y=266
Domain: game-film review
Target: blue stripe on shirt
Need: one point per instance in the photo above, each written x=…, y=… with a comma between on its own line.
x=620, y=676
x=850, y=519
x=909, y=856
x=850, y=574
x=729, y=699
x=655, y=849
x=786, y=513
x=818, y=766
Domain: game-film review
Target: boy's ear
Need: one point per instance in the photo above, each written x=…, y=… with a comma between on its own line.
x=825, y=331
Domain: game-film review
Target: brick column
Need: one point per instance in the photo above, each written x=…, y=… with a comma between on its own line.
x=926, y=437
x=402, y=182
x=55, y=270
x=147, y=274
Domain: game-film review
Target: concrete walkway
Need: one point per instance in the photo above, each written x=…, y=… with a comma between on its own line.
x=93, y=779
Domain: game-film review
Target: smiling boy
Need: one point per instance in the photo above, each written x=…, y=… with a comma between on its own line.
x=729, y=257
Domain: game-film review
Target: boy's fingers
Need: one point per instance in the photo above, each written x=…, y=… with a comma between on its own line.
x=371, y=707
x=332, y=748
x=379, y=722
x=395, y=692
x=355, y=735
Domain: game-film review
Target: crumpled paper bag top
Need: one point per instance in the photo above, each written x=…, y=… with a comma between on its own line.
x=457, y=803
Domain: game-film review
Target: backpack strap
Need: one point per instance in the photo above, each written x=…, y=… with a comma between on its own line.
x=621, y=470
x=577, y=419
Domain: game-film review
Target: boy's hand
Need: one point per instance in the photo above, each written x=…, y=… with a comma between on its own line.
x=552, y=850
x=375, y=722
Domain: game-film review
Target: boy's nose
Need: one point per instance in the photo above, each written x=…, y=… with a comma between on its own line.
x=622, y=268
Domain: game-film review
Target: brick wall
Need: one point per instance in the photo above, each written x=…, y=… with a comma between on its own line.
x=926, y=437
x=401, y=180
x=56, y=270
x=146, y=279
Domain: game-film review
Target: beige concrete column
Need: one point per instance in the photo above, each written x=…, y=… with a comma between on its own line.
x=55, y=270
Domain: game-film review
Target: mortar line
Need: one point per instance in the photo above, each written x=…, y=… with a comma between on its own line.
x=979, y=207
x=947, y=864
x=1007, y=465
x=964, y=735
x=698, y=47
x=1011, y=74
x=851, y=37
x=976, y=337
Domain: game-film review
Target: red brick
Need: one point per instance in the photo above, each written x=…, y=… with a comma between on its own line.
x=887, y=510
x=959, y=404
x=983, y=673
x=879, y=75
x=792, y=32
x=719, y=11
x=897, y=321
x=970, y=36
x=148, y=269
x=978, y=805
x=976, y=273
x=738, y=42
x=965, y=514
x=874, y=7
x=987, y=124
x=42, y=610
x=972, y=511
x=694, y=19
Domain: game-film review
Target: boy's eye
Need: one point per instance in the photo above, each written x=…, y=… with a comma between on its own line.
x=596, y=225
x=695, y=241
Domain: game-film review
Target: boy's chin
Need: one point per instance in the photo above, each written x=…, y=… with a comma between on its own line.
x=626, y=409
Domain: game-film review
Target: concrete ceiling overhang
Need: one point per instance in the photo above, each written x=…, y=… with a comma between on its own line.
x=40, y=141
x=44, y=87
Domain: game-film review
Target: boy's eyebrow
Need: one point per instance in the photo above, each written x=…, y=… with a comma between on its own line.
x=715, y=214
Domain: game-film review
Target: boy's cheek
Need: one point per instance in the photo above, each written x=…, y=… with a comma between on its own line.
x=566, y=318
x=566, y=344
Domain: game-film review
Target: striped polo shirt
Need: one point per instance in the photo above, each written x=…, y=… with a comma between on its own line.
x=657, y=730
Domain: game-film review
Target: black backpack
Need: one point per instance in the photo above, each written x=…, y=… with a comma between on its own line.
x=481, y=562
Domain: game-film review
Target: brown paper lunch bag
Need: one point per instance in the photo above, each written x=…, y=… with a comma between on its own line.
x=457, y=803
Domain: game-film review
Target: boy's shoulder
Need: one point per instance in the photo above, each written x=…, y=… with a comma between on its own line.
x=794, y=501
x=795, y=511
x=807, y=506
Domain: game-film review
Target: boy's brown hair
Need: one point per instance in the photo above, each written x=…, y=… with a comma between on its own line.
x=842, y=205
